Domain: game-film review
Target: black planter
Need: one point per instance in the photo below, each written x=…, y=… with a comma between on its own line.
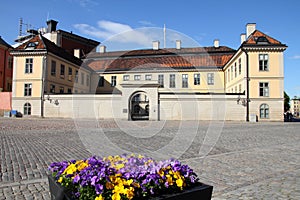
x=199, y=192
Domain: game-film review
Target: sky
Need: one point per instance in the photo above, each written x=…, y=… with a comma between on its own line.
x=134, y=24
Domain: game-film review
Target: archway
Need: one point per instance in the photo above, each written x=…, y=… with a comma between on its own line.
x=139, y=106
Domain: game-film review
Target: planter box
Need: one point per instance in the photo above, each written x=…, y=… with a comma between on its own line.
x=200, y=191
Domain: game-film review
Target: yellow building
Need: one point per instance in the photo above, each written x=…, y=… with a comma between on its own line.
x=208, y=83
x=42, y=69
x=295, y=106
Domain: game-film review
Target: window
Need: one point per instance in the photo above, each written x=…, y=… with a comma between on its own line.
x=125, y=77
x=148, y=77
x=235, y=70
x=10, y=62
x=240, y=66
x=76, y=76
x=70, y=73
x=101, y=81
x=172, y=81
x=52, y=88
x=231, y=74
x=61, y=90
x=264, y=89
x=264, y=111
x=240, y=88
x=53, y=68
x=69, y=91
x=87, y=80
x=82, y=78
x=161, y=80
x=263, y=62
x=196, y=79
x=28, y=65
x=210, y=79
x=185, y=80
x=228, y=74
x=62, y=71
x=137, y=77
x=235, y=89
x=113, y=81
x=27, y=109
x=27, y=89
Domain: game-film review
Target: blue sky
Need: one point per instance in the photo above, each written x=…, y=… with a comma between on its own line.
x=199, y=22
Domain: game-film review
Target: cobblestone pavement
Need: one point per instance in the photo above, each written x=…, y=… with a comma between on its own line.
x=248, y=161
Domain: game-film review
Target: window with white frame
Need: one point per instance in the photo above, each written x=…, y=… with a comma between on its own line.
x=263, y=62
x=197, y=79
x=240, y=66
x=185, y=80
x=52, y=88
x=53, y=68
x=148, y=77
x=70, y=73
x=27, y=89
x=264, y=111
x=137, y=77
x=172, y=81
x=82, y=78
x=235, y=70
x=28, y=65
x=76, y=76
x=161, y=80
x=27, y=109
x=264, y=89
x=87, y=80
x=113, y=81
x=210, y=79
x=62, y=71
x=126, y=77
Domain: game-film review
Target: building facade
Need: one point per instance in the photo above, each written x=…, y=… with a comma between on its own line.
x=208, y=83
x=295, y=107
x=6, y=65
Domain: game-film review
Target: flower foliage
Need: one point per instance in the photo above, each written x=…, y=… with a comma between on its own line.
x=122, y=177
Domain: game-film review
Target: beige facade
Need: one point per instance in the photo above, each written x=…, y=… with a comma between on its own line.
x=295, y=106
x=210, y=83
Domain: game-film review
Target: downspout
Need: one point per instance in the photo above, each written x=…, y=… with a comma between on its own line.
x=43, y=84
x=247, y=84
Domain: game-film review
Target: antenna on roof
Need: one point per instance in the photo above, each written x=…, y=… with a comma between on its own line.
x=20, y=26
x=47, y=16
x=164, y=36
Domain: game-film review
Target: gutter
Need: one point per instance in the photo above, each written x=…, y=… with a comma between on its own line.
x=247, y=84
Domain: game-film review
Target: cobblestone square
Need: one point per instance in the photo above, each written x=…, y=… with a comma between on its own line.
x=242, y=161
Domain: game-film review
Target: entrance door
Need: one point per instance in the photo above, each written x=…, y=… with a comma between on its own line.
x=139, y=106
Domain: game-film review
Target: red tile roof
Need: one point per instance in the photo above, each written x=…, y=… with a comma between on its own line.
x=252, y=39
x=162, y=58
x=43, y=43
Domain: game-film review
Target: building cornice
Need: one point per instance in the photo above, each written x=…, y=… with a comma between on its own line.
x=29, y=52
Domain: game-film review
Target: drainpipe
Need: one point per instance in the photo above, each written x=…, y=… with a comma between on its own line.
x=247, y=84
x=43, y=85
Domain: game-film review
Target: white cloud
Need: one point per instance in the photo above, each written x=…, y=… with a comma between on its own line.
x=146, y=23
x=119, y=36
x=295, y=57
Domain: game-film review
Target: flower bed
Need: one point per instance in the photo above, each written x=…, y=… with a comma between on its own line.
x=123, y=178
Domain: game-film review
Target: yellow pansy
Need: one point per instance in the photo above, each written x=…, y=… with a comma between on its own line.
x=99, y=197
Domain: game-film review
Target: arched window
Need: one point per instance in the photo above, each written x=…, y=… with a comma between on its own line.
x=264, y=111
x=27, y=109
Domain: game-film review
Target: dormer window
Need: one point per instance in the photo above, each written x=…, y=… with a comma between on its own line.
x=31, y=45
x=262, y=40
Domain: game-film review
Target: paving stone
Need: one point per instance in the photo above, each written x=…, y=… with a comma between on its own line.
x=247, y=160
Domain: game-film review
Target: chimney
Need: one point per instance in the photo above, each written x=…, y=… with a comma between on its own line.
x=178, y=44
x=216, y=43
x=155, y=45
x=51, y=26
x=250, y=28
x=243, y=38
x=102, y=49
x=77, y=53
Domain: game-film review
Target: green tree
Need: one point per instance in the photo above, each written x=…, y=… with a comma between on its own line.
x=286, y=102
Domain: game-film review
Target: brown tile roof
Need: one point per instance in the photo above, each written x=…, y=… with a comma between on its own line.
x=43, y=43
x=162, y=58
x=253, y=38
